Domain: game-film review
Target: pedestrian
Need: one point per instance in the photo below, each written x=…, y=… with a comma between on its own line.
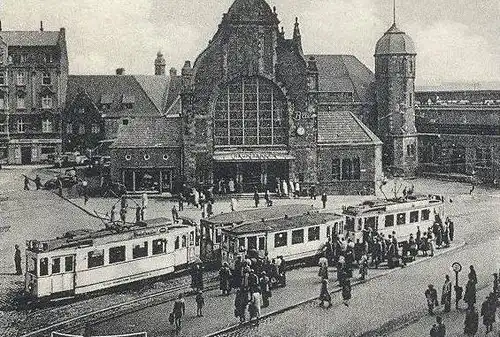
x=17, y=260
x=323, y=267
x=471, y=322
x=254, y=305
x=112, y=217
x=438, y=329
x=446, y=294
x=451, y=229
x=197, y=277
x=472, y=274
x=59, y=186
x=256, y=197
x=324, y=295
x=179, y=310
x=234, y=204
x=431, y=297
x=26, y=183
x=38, y=182
x=143, y=213
x=488, y=311
x=225, y=279
x=181, y=202
x=240, y=305
x=346, y=291
x=175, y=215
x=138, y=214
x=470, y=292
x=265, y=288
x=267, y=197
x=291, y=189
x=144, y=200
x=324, y=199
x=495, y=285
x=363, y=267
x=200, y=303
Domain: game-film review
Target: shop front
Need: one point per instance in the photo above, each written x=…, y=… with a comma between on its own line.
x=242, y=172
x=150, y=180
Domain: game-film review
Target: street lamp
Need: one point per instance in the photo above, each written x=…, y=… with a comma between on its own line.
x=457, y=268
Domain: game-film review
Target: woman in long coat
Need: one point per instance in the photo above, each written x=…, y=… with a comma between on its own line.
x=471, y=322
x=225, y=279
x=470, y=293
x=240, y=305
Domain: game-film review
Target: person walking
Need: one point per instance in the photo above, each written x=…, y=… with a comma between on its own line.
x=144, y=200
x=200, y=303
x=254, y=305
x=265, y=287
x=138, y=214
x=267, y=197
x=471, y=322
x=495, y=285
x=470, y=292
x=324, y=294
x=488, y=311
x=17, y=260
x=26, y=183
x=181, y=202
x=38, y=182
x=363, y=267
x=175, y=215
x=431, y=297
x=256, y=197
x=346, y=291
x=179, y=310
x=323, y=267
x=472, y=274
x=112, y=217
x=225, y=279
x=438, y=329
x=123, y=215
x=446, y=294
x=240, y=305
x=324, y=199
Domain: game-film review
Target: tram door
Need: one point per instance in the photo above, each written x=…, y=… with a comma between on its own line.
x=63, y=274
x=191, y=251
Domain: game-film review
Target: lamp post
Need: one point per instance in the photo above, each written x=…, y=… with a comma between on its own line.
x=457, y=268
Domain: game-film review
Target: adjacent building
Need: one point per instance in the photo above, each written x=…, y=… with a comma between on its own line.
x=33, y=82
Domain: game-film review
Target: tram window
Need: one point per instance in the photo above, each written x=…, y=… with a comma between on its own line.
x=218, y=235
x=177, y=243
x=360, y=224
x=313, y=234
x=159, y=246
x=329, y=231
x=56, y=265
x=32, y=265
x=349, y=224
x=297, y=236
x=44, y=266
x=191, y=238
x=413, y=216
x=426, y=214
x=184, y=241
x=252, y=242
x=95, y=258
x=116, y=254
x=401, y=219
x=262, y=244
x=241, y=243
x=371, y=222
x=280, y=239
x=389, y=220
x=68, y=263
x=141, y=250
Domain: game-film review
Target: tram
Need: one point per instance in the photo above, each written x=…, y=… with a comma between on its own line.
x=296, y=238
x=85, y=261
x=402, y=215
x=211, y=228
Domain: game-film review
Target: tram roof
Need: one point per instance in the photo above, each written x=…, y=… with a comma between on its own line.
x=276, y=225
x=251, y=215
x=381, y=205
x=80, y=238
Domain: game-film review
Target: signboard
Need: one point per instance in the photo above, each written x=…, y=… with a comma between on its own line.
x=136, y=334
x=457, y=267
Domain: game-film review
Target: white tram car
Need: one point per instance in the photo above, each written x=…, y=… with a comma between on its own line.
x=402, y=216
x=299, y=237
x=87, y=261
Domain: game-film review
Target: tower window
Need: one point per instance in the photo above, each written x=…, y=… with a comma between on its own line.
x=46, y=102
x=21, y=126
x=21, y=78
x=46, y=78
x=46, y=126
x=20, y=102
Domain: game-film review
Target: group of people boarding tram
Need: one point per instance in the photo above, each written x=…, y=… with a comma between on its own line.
x=253, y=279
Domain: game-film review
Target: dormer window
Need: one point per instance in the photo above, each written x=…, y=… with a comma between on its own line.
x=46, y=79
x=128, y=101
x=46, y=101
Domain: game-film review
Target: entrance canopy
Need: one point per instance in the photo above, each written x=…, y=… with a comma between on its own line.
x=231, y=157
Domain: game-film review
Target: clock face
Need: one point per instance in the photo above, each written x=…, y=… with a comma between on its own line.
x=301, y=131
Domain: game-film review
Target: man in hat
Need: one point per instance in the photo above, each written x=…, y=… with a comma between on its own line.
x=17, y=260
x=446, y=294
x=431, y=296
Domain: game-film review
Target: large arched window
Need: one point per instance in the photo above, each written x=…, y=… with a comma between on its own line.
x=250, y=112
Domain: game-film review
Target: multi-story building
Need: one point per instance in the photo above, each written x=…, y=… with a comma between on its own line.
x=459, y=133
x=33, y=80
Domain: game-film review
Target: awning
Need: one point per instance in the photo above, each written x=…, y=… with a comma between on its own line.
x=251, y=156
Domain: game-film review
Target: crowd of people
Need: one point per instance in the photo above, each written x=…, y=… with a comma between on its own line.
x=488, y=309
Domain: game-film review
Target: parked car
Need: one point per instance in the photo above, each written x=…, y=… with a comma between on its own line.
x=67, y=181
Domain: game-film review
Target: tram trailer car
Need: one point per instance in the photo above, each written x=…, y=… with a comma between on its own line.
x=298, y=238
x=211, y=228
x=402, y=216
x=86, y=261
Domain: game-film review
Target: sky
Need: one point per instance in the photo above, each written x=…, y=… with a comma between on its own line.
x=456, y=40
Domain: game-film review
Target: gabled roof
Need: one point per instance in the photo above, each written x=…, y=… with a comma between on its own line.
x=30, y=38
x=345, y=73
x=342, y=127
x=150, y=133
x=149, y=93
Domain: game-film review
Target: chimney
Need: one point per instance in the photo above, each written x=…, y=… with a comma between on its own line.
x=120, y=71
x=173, y=72
x=41, y=26
x=160, y=64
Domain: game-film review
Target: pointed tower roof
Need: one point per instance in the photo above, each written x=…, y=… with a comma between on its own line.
x=257, y=11
x=395, y=41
